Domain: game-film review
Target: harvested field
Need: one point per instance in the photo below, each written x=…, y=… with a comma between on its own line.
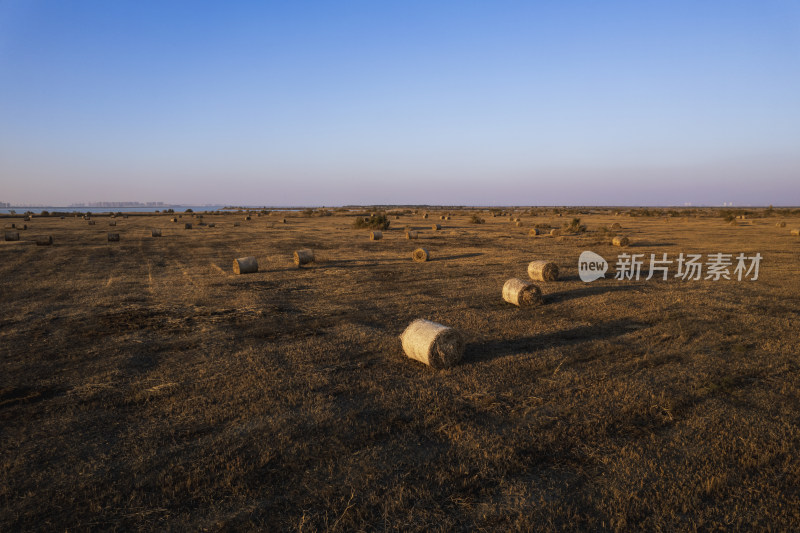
x=145, y=386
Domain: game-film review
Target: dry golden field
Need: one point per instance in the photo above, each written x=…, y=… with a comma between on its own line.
x=144, y=386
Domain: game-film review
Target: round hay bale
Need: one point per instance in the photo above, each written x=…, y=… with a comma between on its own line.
x=155, y=232
x=375, y=235
x=248, y=217
x=397, y=217
x=420, y=255
x=173, y=219
x=12, y=236
x=44, y=240
x=11, y=226
x=24, y=226
x=543, y=270
x=236, y=224
x=112, y=223
x=436, y=227
x=781, y=224
x=303, y=257
x=522, y=293
x=796, y=231
x=212, y=225
x=283, y=221
x=534, y=231
x=441, y=217
x=620, y=241
x=436, y=345
x=616, y=226
x=733, y=223
x=27, y=219
x=187, y=225
x=555, y=232
x=447, y=217
x=113, y=237
x=245, y=265
x=519, y=224
x=425, y=215
x=91, y=222
x=411, y=234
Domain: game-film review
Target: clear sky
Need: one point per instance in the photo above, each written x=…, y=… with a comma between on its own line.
x=363, y=102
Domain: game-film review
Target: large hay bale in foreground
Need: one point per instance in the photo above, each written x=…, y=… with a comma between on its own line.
x=436, y=227
x=522, y=293
x=543, y=270
x=44, y=240
x=303, y=257
x=620, y=241
x=245, y=265
x=436, y=345
x=412, y=234
x=113, y=237
x=420, y=255
x=155, y=232
x=375, y=235
x=187, y=225
x=12, y=236
x=534, y=231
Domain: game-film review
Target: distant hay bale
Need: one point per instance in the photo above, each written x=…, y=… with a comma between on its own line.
x=12, y=235
x=555, y=232
x=303, y=257
x=796, y=231
x=155, y=232
x=425, y=215
x=420, y=255
x=620, y=241
x=112, y=223
x=519, y=224
x=173, y=219
x=447, y=217
x=781, y=224
x=733, y=223
x=23, y=227
x=433, y=344
x=411, y=234
x=245, y=265
x=113, y=237
x=44, y=240
x=91, y=222
x=397, y=217
x=542, y=270
x=436, y=227
x=375, y=235
x=212, y=225
x=26, y=219
x=533, y=231
x=11, y=226
x=522, y=293
x=283, y=221
x=187, y=225
x=616, y=226
x=441, y=217
x=248, y=217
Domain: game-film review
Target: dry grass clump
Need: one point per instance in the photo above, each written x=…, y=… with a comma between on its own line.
x=245, y=265
x=540, y=270
x=420, y=255
x=575, y=226
x=476, y=219
x=522, y=293
x=436, y=345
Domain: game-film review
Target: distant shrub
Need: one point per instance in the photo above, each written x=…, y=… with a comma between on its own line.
x=372, y=222
x=575, y=226
x=189, y=211
x=308, y=212
x=476, y=219
x=45, y=213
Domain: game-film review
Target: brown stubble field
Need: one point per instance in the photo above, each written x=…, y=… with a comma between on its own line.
x=146, y=387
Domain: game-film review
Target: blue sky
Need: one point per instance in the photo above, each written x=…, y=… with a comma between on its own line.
x=330, y=103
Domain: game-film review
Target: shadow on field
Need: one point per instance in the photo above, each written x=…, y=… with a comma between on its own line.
x=650, y=244
x=462, y=256
x=563, y=296
x=488, y=350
